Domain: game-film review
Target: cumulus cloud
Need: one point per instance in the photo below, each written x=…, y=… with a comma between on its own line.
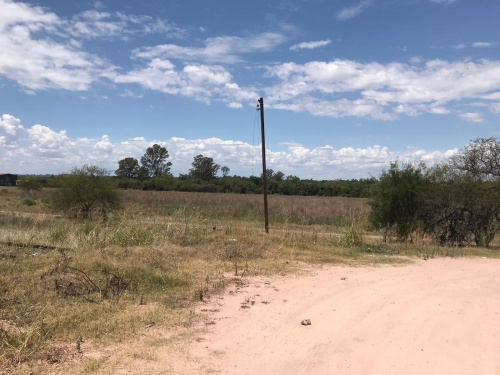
x=200, y=82
x=36, y=61
x=382, y=90
x=10, y=130
x=41, y=50
x=310, y=45
x=40, y=149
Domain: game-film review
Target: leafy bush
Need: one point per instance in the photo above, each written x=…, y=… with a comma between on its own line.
x=87, y=192
x=395, y=199
x=457, y=203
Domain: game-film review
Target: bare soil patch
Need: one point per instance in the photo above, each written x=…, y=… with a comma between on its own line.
x=440, y=316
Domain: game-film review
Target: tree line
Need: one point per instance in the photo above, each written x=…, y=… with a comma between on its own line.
x=152, y=172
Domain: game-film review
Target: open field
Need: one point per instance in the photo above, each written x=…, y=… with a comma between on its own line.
x=72, y=288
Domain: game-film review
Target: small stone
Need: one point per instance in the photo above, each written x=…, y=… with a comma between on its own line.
x=306, y=322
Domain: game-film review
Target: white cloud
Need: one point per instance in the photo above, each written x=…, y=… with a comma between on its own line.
x=472, y=117
x=10, y=130
x=310, y=45
x=38, y=62
x=47, y=143
x=353, y=11
x=200, y=82
x=377, y=90
x=40, y=149
x=482, y=44
x=223, y=49
x=474, y=45
x=38, y=53
x=40, y=50
x=95, y=23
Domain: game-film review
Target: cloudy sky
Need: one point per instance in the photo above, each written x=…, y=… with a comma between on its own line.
x=348, y=85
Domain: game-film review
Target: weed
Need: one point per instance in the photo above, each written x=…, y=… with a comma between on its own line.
x=59, y=234
x=352, y=236
x=29, y=202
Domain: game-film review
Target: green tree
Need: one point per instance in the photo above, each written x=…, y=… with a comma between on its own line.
x=142, y=174
x=225, y=171
x=481, y=158
x=457, y=202
x=203, y=168
x=445, y=205
x=155, y=161
x=87, y=192
x=464, y=199
x=395, y=199
x=128, y=168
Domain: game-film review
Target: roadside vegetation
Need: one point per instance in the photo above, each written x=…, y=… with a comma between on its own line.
x=86, y=264
x=456, y=203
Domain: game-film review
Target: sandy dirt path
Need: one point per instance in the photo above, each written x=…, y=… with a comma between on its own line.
x=440, y=316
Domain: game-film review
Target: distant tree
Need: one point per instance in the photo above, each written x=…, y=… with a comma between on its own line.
x=128, y=168
x=269, y=174
x=155, y=161
x=278, y=176
x=225, y=171
x=204, y=168
x=87, y=192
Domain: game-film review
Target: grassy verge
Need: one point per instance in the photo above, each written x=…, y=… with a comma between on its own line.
x=62, y=280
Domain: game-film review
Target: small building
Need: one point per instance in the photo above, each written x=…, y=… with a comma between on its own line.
x=7, y=179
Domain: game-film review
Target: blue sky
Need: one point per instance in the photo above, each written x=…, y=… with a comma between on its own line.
x=348, y=86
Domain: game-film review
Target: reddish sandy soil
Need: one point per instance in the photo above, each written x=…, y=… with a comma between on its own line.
x=440, y=316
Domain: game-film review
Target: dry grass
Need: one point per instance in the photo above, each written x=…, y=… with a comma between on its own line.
x=62, y=279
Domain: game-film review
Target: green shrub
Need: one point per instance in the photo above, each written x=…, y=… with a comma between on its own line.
x=29, y=202
x=87, y=192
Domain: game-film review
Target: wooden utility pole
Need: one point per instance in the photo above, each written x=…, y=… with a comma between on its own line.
x=260, y=107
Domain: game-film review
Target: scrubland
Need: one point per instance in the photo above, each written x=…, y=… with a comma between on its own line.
x=64, y=282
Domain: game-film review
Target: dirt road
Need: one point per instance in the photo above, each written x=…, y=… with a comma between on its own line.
x=440, y=316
